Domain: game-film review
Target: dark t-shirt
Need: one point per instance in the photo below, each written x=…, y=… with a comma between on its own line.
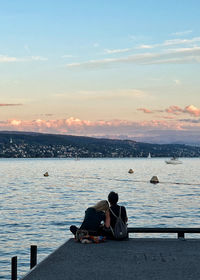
x=93, y=219
x=115, y=209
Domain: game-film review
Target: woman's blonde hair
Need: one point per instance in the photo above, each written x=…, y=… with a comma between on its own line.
x=102, y=205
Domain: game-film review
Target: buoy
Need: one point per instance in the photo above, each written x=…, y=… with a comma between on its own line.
x=46, y=174
x=130, y=171
x=154, y=180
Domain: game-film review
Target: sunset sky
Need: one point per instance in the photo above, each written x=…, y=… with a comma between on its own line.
x=119, y=69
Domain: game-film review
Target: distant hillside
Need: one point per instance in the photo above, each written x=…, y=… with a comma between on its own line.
x=31, y=145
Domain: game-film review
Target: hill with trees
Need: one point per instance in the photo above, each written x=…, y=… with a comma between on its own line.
x=38, y=145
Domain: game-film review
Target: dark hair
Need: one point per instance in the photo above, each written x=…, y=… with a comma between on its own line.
x=113, y=198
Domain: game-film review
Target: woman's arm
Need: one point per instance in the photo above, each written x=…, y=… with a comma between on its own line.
x=107, y=221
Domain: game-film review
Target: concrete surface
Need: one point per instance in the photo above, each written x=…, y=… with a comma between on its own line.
x=137, y=259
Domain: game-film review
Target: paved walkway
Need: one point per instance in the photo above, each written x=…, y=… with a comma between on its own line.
x=136, y=259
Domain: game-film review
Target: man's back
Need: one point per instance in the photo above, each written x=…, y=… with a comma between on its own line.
x=116, y=210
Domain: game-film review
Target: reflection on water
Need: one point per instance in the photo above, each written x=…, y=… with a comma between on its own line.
x=39, y=210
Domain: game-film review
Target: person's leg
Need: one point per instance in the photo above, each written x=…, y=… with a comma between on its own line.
x=73, y=229
x=106, y=232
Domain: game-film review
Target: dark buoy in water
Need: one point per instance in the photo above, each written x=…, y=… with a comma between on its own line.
x=130, y=171
x=154, y=180
x=46, y=174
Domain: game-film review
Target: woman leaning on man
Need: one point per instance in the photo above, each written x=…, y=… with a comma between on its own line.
x=94, y=217
x=101, y=212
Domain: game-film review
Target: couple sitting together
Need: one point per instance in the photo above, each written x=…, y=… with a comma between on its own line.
x=103, y=220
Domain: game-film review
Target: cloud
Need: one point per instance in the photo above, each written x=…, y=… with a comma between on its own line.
x=44, y=115
x=178, y=56
x=181, y=41
x=168, y=117
x=190, y=121
x=107, y=51
x=5, y=58
x=67, y=56
x=192, y=110
x=175, y=110
x=172, y=42
x=9, y=59
x=181, y=33
x=37, y=58
x=81, y=127
x=145, y=47
x=74, y=64
x=157, y=131
x=107, y=94
x=7, y=104
x=145, y=110
x=129, y=92
x=166, y=43
x=15, y=123
x=171, y=51
x=48, y=115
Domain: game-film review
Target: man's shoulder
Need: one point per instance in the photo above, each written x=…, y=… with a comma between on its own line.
x=117, y=206
x=122, y=207
x=123, y=210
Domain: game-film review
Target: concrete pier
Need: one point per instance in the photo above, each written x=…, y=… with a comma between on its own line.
x=135, y=259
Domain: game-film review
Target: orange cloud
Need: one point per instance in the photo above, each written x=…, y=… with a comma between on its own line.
x=192, y=110
x=15, y=122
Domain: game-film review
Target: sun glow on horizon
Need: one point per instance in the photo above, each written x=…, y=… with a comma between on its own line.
x=93, y=80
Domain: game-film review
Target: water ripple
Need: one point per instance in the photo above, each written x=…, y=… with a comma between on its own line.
x=39, y=210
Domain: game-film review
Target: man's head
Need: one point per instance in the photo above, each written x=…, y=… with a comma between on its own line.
x=113, y=198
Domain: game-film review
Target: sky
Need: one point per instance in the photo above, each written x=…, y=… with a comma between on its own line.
x=115, y=69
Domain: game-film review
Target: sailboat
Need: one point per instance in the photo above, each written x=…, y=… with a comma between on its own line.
x=173, y=160
x=76, y=157
x=149, y=155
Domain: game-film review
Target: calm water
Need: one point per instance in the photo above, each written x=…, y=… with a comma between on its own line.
x=39, y=210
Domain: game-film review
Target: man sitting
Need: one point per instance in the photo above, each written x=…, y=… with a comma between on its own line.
x=115, y=212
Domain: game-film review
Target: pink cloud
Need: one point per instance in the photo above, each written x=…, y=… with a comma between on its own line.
x=169, y=117
x=155, y=131
x=175, y=110
x=5, y=104
x=192, y=110
x=15, y=123
x=77, y=126
x=145, y=110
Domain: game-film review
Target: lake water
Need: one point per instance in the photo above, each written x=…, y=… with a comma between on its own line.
x=38, y=210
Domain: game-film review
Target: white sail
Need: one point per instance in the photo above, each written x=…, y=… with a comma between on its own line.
x=149, y=155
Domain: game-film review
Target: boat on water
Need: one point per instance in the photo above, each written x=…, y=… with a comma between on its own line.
x=149, y=155
x=173, y=160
